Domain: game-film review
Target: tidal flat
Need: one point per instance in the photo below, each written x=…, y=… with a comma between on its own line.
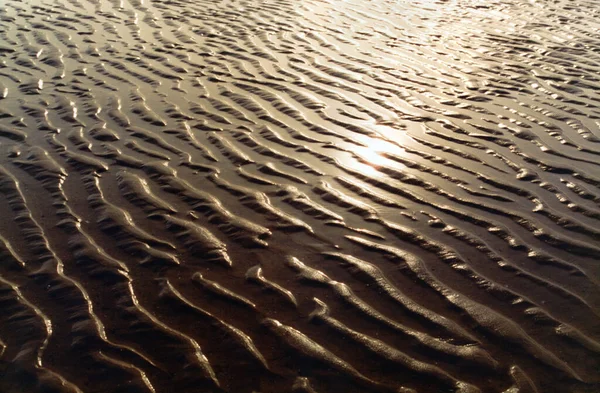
x=311, y=196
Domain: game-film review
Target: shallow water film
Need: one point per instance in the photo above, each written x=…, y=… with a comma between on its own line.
x=299, y=196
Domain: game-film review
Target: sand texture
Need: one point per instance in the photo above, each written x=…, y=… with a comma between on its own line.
x=289, y=196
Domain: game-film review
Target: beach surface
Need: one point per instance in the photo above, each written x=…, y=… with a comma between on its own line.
x=299, y=196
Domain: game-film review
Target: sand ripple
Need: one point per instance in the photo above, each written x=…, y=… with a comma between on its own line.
x=310, y=196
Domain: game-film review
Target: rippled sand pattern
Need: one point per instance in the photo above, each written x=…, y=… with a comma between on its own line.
x=299, y=196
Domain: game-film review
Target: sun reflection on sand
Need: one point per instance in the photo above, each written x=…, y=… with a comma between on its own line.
x=372, y=155
x=367, y=159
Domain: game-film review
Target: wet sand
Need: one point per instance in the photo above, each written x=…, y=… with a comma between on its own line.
x=299, y=196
